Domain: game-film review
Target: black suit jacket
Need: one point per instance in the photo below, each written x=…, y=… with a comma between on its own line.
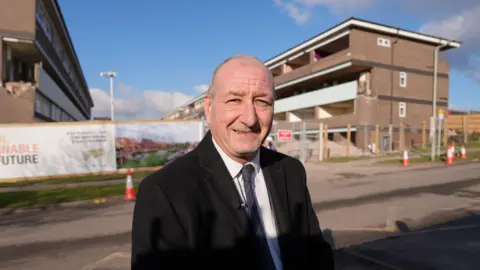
x=188, y=215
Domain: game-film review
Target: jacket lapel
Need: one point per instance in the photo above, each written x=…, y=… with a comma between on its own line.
x=221, y=183
x=277, y=188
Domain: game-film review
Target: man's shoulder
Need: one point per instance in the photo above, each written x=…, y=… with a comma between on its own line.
x=282, y=159
x=177, y=172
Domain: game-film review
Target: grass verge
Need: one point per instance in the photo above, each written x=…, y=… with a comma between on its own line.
x=354, y=158
x=59, y=195
x=79, y=179
x=346, y=159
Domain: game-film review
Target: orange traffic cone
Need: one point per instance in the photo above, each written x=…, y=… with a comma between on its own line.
x=129, y=191
x=464, y=152
x=450, y=155
x=405, y=158
x=453, y=149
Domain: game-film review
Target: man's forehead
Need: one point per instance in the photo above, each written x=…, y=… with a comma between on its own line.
x=251, y=75
x=244, y=84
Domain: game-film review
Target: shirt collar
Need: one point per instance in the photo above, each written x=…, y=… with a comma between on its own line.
x=233, y=166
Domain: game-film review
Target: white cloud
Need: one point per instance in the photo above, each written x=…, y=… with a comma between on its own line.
x=338, y=7
x=301, y=10
x=297, y=13
x=202, y=88
x=130, y=103
x=461, y=26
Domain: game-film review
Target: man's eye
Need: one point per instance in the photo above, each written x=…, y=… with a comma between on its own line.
x=263, y=102
x=233, y=100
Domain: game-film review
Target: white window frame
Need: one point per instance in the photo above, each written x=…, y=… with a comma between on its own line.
x=383, y=42
x=403, y=75
x=402, y=106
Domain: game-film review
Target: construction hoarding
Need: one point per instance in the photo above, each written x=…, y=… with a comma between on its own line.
x=154, y=144
x=56, y=149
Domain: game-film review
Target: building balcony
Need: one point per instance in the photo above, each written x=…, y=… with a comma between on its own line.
x=342, y=60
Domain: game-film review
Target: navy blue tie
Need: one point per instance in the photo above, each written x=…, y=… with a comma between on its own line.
x=255, y=219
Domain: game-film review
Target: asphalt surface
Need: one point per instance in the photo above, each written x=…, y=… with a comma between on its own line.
x=113, y=252
x=367, y=250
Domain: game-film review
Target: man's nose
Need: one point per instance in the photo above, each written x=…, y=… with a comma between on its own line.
x=249, y=115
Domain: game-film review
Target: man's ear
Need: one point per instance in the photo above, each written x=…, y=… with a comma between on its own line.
x=207, y=108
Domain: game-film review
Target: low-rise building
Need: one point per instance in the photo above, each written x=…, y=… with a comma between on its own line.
x=361, y=75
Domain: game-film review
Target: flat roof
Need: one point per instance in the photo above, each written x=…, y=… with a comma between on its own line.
x=358, y=23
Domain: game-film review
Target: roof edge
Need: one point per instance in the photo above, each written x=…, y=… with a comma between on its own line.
x=353, y=22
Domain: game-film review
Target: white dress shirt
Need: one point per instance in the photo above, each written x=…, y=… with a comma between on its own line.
x=261, y=192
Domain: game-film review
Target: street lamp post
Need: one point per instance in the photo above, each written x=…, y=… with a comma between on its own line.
x=110, y=75
x=434, y=101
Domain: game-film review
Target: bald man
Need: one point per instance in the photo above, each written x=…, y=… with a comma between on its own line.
x=230, y=203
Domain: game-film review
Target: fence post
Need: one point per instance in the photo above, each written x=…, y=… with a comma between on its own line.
x=365, y=140
x=325, y=142
x=303, y=142
x=390, y=135
x=465, y=129
x=320, y=141
x=377, y=138
x=402, y=137
x=349, y=137
x=424, y=134
x=445, y=132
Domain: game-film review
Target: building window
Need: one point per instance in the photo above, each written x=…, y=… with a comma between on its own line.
x=403, y=79
x=383, y=42
x=43, y=106
x=43, y=21
x=402, y=109
x=56, y=113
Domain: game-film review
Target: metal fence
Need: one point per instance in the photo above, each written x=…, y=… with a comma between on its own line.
x=313, y=141
x=308, y=143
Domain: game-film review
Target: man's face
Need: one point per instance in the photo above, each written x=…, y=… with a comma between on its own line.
x=240, y=113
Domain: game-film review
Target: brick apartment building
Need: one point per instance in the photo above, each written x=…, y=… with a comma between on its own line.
x=40, y=76
x=356, y=73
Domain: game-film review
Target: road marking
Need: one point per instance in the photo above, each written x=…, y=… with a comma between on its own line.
x=107, y=258
x=364, y=229
x=451, y=228
x=368, y=258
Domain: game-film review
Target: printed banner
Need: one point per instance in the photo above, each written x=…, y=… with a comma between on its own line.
x=49, y=150
x=156, y=143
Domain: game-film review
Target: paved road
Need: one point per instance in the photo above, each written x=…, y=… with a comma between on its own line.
x=352, y=210
x=412, y=250
x=109, y=253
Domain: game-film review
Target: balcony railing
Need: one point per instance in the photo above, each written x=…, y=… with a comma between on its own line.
x=333, y=94
x=332, y=60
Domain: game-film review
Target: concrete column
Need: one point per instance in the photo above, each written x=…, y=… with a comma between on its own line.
x=318, y=112
x=1, y=64
x=311, y=57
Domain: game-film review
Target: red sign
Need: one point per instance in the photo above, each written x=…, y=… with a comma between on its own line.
x=284, y=135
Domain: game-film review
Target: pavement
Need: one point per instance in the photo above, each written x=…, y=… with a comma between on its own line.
x=354, y=168
x=369, y=215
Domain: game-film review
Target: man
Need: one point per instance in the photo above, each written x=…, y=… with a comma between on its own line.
x=230, y=203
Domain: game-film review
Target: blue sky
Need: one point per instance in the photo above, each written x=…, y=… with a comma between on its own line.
x=165, y=51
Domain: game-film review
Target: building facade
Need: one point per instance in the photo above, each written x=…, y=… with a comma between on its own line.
x=40, y=76
x=358, y=74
